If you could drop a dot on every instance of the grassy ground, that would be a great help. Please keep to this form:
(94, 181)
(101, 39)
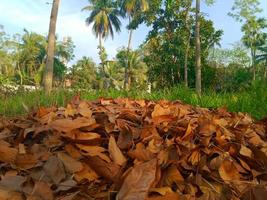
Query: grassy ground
(253, 101)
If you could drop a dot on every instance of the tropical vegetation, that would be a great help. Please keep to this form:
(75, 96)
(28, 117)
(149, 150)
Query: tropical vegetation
(181, 50)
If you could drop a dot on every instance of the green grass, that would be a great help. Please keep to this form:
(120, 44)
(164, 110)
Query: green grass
(253, 101)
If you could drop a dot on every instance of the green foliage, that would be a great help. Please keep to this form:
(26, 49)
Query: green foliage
(252, 101)
(243, 10)
(83, 74)
(166, 44)
(22, 58)
(137, 69)
(105, 17)
(246, 11)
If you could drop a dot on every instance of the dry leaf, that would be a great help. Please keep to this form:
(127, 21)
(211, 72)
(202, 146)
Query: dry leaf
(71, 165)
(67, 125)
(94, 151)
(55, 169)
(228, 171)
(86, 174)
(159, 111)
(42, 190)
(245, 151)
(115, 153)
(26, 161)
(138, 182)
(141, 153)
(172, 176)
(164, 150)
(194, 158)
(162, 191)
(7, 154)
(108, 170)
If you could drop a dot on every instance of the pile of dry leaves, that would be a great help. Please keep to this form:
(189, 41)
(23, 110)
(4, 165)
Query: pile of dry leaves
(132, 150)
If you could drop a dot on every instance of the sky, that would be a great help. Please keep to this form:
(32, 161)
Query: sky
(34, 15)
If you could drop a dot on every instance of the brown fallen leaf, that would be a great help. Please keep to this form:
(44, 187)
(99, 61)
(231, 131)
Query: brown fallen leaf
(94, 151)
(67, 125)
(22, 149)
(7, 154)
(115, 152)
(168, 196)
(71, 165)
(70, 111)
(245, 151)
(8, 195)
(73, 152)
(86, 174)
(138, 182)
(66, 185)
(54, 169)
(109, 170)
(258, 192)
(26, 161)
(172, 176)
(228, 171)
(154, 150)
(43, 191)
(141, 153)
(12, 183)
(159, 111)
(162, 191)
(84, 110)
(194, 158)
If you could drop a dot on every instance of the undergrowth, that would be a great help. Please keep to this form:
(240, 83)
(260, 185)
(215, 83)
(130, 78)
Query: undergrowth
(252, 101)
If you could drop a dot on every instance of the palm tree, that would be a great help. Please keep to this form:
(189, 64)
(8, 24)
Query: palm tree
(48, 75)
(136, 67)
(130, 7)
(105, 18)
(254, 37)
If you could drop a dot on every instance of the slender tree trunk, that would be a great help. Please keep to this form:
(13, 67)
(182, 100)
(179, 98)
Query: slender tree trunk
(253, 63)
(105, 84)
(100, 54)
(186, 62)
(127, 68)
(187, 44)
(20, 76)
(48, 74)
(198, 49)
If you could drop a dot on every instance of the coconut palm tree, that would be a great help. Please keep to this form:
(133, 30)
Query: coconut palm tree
(104, 16)
(48, 75)
(130, 7)
(254, 37)
(137, 69)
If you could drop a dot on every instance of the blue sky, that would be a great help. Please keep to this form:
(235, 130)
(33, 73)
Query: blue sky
(34, 15)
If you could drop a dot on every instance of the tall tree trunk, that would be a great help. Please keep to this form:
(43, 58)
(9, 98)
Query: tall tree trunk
(198, 49)
(105, 83)
(186, 62)
(48, 74)
(253, 63)
(187, 44)
(100, 54)
(127, 68)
